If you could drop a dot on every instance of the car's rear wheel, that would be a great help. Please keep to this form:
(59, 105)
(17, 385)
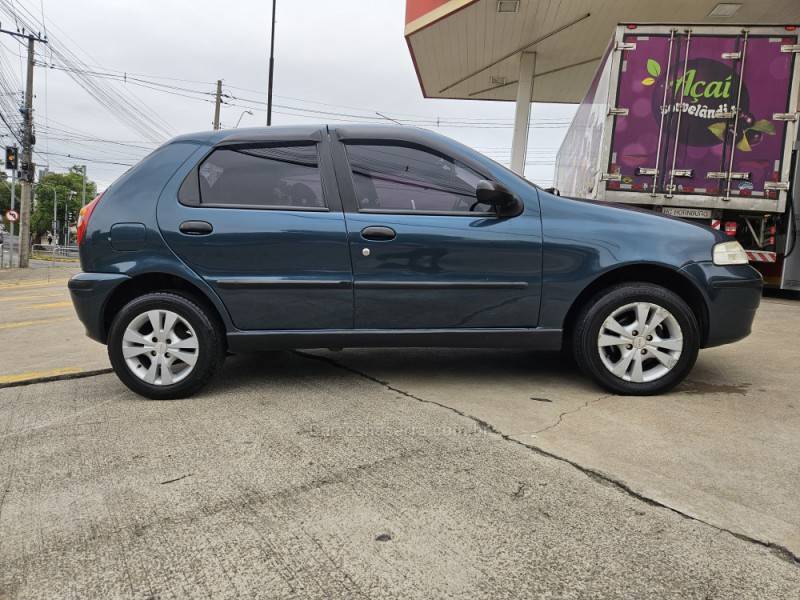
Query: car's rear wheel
(636, 339)
(164, 346)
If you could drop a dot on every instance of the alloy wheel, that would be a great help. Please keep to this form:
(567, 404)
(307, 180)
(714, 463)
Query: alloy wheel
(160, 347)
(640, 342)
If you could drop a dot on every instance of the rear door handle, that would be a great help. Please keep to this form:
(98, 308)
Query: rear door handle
(378, 234)
(196, 227)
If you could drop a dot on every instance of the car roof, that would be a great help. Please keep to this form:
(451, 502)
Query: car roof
(311, 132)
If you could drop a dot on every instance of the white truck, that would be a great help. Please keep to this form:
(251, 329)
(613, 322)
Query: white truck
(699, 122)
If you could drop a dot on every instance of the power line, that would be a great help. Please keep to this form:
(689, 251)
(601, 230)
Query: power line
(129, 109)
(124, 78)
(206, 96)
(90, 160)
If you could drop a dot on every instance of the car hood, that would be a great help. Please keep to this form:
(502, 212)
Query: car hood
(625, 233)
(651, 214)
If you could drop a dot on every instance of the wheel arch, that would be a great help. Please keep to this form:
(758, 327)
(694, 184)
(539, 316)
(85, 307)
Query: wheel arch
(657, 274)
(158, 282)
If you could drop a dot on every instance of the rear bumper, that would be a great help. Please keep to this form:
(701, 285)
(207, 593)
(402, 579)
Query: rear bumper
(733, 294)
(90, 292)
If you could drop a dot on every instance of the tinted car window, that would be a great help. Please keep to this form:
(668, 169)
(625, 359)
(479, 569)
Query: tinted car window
(401, 178)
(267, 177)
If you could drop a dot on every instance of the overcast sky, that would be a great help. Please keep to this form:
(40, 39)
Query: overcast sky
(347, 56)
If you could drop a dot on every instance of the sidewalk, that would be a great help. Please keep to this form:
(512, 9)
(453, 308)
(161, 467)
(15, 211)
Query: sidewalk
(40, 335)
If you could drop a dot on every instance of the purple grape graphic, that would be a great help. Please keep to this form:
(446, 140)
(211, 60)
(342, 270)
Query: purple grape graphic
(749, 131)
(754, 138)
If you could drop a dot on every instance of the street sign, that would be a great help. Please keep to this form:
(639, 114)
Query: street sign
(12, 216)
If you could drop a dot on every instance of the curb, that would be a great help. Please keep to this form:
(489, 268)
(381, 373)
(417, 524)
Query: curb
(65, 377)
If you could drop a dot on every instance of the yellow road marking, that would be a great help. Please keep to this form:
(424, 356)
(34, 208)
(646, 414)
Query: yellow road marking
(34, 297)
(17, 324)
(51, 305)
(33, 284)
(38, 374)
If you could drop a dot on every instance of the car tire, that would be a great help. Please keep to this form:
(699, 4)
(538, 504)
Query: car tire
(652, 361)
(174, 362)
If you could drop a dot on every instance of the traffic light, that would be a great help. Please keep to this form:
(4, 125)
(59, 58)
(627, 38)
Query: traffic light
(11, 158)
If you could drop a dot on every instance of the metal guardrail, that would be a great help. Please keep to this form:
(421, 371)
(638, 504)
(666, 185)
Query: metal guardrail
(9, 248)
(56, 250)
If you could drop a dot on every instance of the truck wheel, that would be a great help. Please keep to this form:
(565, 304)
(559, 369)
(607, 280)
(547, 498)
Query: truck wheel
(164, 346)
(636, 339)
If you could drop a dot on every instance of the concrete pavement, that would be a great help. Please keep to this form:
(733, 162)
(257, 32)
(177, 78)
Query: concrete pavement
(291, 478)
(393, 473)
(40, 335)
(721, 448)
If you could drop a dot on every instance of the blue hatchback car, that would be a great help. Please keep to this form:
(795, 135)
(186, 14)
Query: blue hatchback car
(343, 236)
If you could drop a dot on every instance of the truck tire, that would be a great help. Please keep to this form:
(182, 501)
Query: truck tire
(164, 346)
(636, 339)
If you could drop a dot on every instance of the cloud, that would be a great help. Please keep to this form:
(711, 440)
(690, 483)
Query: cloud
(349, 55)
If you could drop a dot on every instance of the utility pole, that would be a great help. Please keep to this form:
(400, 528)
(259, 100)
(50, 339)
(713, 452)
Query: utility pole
(217, 104)
(55, 217)
(26, 202)
(13, 204)
(28, 168)
(271, 66)
(83, 189)
(66, 220)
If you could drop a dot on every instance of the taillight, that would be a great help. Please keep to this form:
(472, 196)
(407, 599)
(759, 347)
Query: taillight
(84, 216)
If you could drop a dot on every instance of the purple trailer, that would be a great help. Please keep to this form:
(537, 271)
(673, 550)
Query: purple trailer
(698, 122)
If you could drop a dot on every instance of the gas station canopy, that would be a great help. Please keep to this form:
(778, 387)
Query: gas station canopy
(471, 49)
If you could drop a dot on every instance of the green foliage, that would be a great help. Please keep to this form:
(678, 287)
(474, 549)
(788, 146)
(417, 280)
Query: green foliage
(59, 185)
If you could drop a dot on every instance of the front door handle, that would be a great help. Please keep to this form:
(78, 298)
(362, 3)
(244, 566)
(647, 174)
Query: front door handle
(378, 234)
(196, 227)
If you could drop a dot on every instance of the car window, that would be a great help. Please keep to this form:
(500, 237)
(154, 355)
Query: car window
(265, 177)
(402, 178)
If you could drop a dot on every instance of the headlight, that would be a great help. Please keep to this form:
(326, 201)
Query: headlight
(730, 253)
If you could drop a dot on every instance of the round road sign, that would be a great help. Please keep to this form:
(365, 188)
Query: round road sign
(12, 216)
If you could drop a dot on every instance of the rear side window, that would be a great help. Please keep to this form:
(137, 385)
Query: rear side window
(390, 178)
(263, 177)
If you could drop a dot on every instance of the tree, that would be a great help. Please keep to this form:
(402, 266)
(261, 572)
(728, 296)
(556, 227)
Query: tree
(61, 188)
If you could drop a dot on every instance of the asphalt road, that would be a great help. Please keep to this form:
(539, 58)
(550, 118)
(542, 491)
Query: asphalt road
(393, 473)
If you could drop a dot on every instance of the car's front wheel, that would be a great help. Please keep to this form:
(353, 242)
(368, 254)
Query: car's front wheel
(636, 339)
(164, 346)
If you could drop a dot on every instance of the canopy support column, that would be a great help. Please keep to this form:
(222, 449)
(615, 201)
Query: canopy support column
(522, 116)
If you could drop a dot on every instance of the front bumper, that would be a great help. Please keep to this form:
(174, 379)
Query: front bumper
(733, 294)
(90, 293)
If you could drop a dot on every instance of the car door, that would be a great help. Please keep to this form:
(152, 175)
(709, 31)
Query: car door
(425, 254)
(261, 221)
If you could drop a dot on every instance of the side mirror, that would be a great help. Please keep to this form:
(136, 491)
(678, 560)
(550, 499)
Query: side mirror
(495, 194)
(553, 190)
